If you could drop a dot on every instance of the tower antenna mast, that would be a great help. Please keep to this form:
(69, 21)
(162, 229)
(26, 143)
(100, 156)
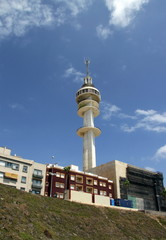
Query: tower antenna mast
(87, 62)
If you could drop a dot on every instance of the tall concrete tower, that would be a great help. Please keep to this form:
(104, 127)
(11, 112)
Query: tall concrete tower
(88, 98)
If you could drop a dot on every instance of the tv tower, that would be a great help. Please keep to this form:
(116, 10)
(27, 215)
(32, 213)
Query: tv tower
(88, 98)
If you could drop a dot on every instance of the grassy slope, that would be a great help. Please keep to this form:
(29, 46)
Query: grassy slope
(29, 217)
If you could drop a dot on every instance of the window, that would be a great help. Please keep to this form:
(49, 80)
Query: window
(37, 172)
(59, 195)
(15, 166)
(72, 186)
(79, 179)
(72, 178)
(25, 169)
(79, 188)
(110, 187)
(35, 191)
(2, 163)
(89, 181)
(9, 165)
(59, 185)
(23, 179)
(110, 195)
(61, 175)
(47, 184)
(46, 194)
(22, 189)
(103, 184)
(89, 189)
(95, 191)
(36, 182)
(58, 174)
(103, 193)
(1, 174)
(95, 182)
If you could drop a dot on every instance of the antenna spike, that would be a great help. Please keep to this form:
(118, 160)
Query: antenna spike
(87, 62)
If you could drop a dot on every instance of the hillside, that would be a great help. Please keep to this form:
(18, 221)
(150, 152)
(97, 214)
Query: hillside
(30, 217)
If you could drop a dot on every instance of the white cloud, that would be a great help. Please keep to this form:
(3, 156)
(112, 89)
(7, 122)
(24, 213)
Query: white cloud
(123, 115)
(161, 153)
(75, 6)
(71, 72)
(16, 106)
(146, 113)
(148, 120)
(103, 32)
(150, 169)
(108, 110)
(18, 16)
(122, 12)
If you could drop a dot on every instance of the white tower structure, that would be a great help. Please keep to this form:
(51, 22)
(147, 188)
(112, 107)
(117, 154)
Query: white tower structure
(88, 98)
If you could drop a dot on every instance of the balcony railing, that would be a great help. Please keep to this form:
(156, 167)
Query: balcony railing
(35, 175)
(38, 186)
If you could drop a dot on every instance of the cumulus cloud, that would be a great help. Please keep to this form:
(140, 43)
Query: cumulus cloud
(103, 32)
(18, 16)
(71, 72)
(161, 153)
(108, 110)
(123, 12)
(148, 120)
(75, 6)
(145, 112)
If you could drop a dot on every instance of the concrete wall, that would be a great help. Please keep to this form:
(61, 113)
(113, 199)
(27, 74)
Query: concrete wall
(5, 151)
(102, 200)
(112, 170)
(80, 197)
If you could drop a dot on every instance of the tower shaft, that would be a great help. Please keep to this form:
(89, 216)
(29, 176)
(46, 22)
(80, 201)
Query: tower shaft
(89, 151)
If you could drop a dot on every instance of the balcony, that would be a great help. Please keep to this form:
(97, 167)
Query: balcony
(81, 131)
(39, 176)
(38, 186)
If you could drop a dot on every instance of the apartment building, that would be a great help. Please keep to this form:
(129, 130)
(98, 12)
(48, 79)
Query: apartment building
(71, 184)
(23, 174)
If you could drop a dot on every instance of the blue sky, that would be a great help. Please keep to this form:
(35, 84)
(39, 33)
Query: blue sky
(42, 49)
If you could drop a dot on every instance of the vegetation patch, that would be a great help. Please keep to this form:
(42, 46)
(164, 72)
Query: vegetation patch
(24, 216)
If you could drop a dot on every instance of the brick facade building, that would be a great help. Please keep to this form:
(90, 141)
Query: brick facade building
(74, 185)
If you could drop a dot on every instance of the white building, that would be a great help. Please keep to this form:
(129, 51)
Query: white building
(20, 173)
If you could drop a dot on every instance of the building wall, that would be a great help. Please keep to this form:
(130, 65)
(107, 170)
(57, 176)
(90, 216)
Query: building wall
(80, 197)
(75, 183)
(102, 201)
(144, 189)
(19, 173)
(145, 185)
(113, 171)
